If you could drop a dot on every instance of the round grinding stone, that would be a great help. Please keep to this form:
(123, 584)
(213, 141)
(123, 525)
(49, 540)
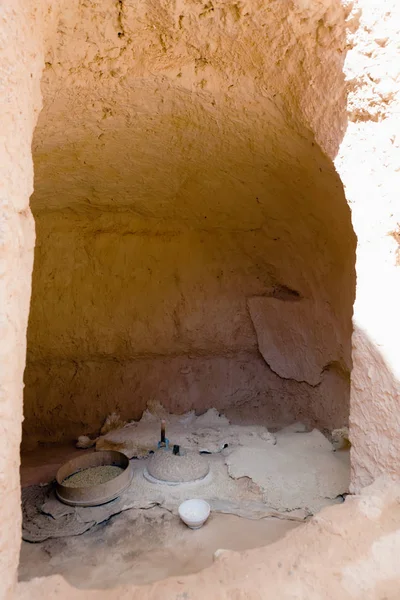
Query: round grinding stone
(179, 468)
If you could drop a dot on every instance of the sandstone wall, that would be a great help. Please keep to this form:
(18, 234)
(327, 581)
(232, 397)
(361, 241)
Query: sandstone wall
(369, 165)
(282, 63)
(123, 312)
(20, 67)
(194, 243)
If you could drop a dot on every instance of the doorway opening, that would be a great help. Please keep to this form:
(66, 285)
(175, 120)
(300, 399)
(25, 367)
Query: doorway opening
(194, 253)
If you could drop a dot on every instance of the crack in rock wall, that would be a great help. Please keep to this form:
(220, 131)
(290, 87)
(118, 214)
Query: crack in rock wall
(177, 179)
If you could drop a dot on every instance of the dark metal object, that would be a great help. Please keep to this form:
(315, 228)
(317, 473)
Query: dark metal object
(164, 442)
(101, 493)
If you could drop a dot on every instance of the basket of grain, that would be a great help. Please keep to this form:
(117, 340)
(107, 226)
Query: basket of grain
(93, 479)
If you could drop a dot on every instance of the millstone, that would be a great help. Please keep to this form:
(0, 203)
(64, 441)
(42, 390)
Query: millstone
(180, 468)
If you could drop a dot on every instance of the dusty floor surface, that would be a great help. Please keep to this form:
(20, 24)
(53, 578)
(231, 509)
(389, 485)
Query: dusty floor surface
(147, 543)
(135, 546)
(348, 552)
(291, 474)
(143, 546)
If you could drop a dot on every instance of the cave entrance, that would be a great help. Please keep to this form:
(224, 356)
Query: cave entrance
(194, 253)
(197, 271)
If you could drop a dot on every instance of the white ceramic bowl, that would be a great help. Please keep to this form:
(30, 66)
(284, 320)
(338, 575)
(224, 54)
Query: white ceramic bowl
(194, 513)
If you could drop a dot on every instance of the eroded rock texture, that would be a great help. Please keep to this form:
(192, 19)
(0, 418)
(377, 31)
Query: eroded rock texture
(369, 164)
(20, 68)
(179, 184)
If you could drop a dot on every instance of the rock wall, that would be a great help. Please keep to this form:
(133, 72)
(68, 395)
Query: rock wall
(187, 219)
(125, 309)
(281, 63)
(369, 165)
(20, 67)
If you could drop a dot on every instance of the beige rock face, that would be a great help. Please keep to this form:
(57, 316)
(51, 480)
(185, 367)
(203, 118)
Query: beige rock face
(176, 183)
(297, 338)
(20, 103)
(201, 133)
(369, 164)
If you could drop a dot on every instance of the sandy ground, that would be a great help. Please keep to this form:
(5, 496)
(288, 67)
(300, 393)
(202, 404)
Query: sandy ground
(136, 546)
(143, 546)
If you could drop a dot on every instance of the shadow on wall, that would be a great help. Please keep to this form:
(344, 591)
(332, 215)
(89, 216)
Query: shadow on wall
(170, 220)
(253, 319)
